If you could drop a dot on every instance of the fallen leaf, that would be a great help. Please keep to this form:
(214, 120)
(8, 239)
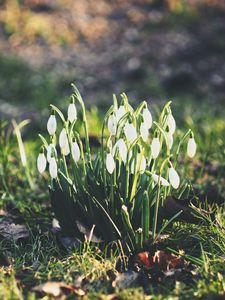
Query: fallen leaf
(166, 261)
(10, 230)
(143, 259)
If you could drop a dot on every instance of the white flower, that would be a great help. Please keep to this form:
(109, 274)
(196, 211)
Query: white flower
(51, 125)
(155, 147)
(120, 113)
(75, 150)
(162, 180)
(171, 123)
(53, 170)
(147, 118)
(130, 132)
(120, 144)
(169, 138)
(66, 149)
(63, 140)
(191, 147)
(174, 178)
(41, 162)
(72, 112)
(140, 164)
(112, 124)
(51, 150)
(144, 132)
(110, 164)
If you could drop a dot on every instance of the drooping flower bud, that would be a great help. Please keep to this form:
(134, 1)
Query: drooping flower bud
(144, 131)
(120, 144)
(41, 162)
(162, 180)
(63, 140)
(140, 164)
(169, 138)
(174, 178)
(147, 118)
(171, 123)
(191, 147)
(72, 112)
(53, 169)
(130, 132)
(51, 125)
(112, 124)
(110, 163)
(75, 150)
(120, 113)
(155, 147)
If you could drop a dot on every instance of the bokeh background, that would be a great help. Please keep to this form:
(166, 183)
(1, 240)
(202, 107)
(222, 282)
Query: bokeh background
(153, 50)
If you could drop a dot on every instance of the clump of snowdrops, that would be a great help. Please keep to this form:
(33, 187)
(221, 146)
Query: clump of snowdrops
(118, 191)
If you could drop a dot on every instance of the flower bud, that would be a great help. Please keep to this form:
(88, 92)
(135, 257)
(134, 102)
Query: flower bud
(191, 147)
(41, 163)
(174, 178)
(53, 169)
(155, 147)
(147, 118)
(171, 123)
(112, 124)
(110, 164)
(120, 113)
(72, 112)
(169, 138)
(144, 131)
(130, 132)
(51, 151)
(75, 150)
(63, 140)
(120, 144)
(162, 180)
(51, 125)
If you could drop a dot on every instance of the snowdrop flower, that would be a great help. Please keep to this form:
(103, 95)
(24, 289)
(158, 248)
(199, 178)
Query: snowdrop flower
(63, 140)
(169, 138)
(51, 150)
(130, 132)
(72, 112)
(155, 147)
(110, 164)
(112, 124)
(140, 164)
(144, 131)
(41, 162)
(75, 150)
(53, 170)
(147, 118)
(174, 178)
(171, 123)
(51, 125)
(66, 149)
(120, 144)
(162, 180)
(191, 147)
(120, 113)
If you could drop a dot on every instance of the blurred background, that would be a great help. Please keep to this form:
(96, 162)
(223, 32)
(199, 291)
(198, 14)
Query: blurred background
(153, 50)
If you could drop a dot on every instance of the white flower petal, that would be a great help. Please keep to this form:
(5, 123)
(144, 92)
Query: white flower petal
(163, 181)
(51, 125)
(41, 163)
(140, 164)
(155, 147)
(147, 118)
(75, 151)
(112, 124)
(63, 140)
(110, 164)
(174, 178)
(144, 132)
(72, 112)
(191, 147)
(171, 123)
(51, 150)
(53, 169)
(130, 132)
(66, 149)
(120, 113)
(120, 144)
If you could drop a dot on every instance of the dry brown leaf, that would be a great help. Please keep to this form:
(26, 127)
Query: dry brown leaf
(126, 280)
(143, 259)
(10, 230)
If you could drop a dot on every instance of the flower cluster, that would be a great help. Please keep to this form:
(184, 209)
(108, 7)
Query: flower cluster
(132, 173)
